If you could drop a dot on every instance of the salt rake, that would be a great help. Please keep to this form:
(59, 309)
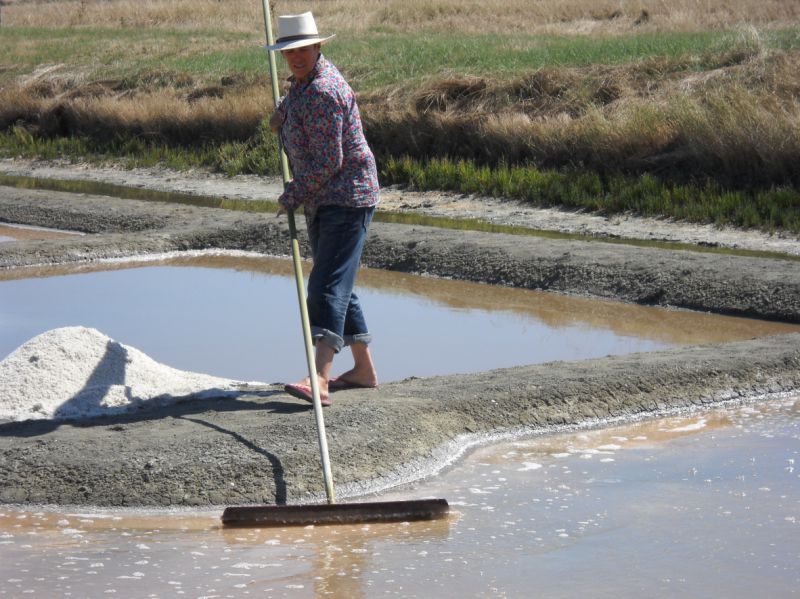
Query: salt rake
(332, 512)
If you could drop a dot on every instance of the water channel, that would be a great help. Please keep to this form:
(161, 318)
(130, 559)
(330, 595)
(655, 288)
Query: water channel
(696, 505)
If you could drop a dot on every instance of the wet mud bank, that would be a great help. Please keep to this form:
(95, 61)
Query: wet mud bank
(261, 446)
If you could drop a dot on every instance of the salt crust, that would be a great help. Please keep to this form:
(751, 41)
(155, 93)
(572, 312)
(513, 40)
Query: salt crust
(77, 372)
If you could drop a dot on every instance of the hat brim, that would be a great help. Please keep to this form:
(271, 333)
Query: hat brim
(300, 43)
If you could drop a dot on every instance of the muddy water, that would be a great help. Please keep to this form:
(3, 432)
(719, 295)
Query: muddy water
(696, 505)
(25, 233)
(236, 316)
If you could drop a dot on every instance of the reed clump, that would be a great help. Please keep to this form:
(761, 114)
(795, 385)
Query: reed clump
(736, 124)
(117, 109)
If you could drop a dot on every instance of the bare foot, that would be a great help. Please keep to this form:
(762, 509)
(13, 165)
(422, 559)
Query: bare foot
(355, 378)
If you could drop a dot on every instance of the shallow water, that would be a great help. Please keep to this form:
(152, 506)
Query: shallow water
(698, 505)
(26, 233)
(237, 317)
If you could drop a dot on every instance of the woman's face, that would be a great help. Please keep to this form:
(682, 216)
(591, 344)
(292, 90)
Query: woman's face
(301, 61)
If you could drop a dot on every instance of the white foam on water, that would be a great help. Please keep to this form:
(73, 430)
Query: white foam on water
(78, 372)
(529, 466)
(249, 565)
(695, 426)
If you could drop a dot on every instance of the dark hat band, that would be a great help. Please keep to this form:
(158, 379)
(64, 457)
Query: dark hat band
(294, 38)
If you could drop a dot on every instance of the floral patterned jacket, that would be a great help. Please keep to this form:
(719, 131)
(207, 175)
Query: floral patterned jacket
(324, 141)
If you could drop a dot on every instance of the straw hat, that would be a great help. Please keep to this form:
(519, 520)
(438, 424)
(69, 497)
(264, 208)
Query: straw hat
(296, 31)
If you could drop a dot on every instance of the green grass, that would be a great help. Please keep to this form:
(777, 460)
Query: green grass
(645, 195)
(20, 143)
(132, 152)
(777, 208)
(155, 58)
(102, 53)
(383, 60)
(373, 61)
(392, 59)
(247, 60)
(258, 156)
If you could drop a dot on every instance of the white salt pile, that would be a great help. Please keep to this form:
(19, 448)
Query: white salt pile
(77, 372)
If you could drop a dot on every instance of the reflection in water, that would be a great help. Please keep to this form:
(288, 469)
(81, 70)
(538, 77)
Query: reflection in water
(699, 505)
(196, 556)
(675, 327)
(236, 316)
(340, 559)
(680, 327)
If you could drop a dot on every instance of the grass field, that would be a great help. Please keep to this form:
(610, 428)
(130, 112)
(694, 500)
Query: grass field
(683, 108)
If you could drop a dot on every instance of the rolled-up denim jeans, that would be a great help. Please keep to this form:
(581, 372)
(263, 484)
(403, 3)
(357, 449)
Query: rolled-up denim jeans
(337, 235)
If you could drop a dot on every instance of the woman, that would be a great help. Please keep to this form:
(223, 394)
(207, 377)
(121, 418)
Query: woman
(336, 182)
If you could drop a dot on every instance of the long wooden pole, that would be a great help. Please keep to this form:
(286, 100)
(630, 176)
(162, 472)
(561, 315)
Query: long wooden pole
(298, 276)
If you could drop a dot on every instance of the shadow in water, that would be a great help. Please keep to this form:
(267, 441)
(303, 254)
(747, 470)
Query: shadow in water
(277, 467)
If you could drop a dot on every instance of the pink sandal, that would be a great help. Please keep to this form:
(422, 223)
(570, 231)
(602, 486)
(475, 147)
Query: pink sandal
(304, 392)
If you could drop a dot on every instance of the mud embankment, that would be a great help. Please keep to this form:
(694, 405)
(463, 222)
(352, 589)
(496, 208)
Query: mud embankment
(744, 286)
(261, 446)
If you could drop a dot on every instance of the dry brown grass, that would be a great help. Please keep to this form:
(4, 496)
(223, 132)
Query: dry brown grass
(102, 110)
(736, 119)
(738, 124)
(348, 17)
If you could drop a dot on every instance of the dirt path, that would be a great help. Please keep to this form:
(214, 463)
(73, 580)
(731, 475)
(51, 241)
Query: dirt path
(261, 446)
